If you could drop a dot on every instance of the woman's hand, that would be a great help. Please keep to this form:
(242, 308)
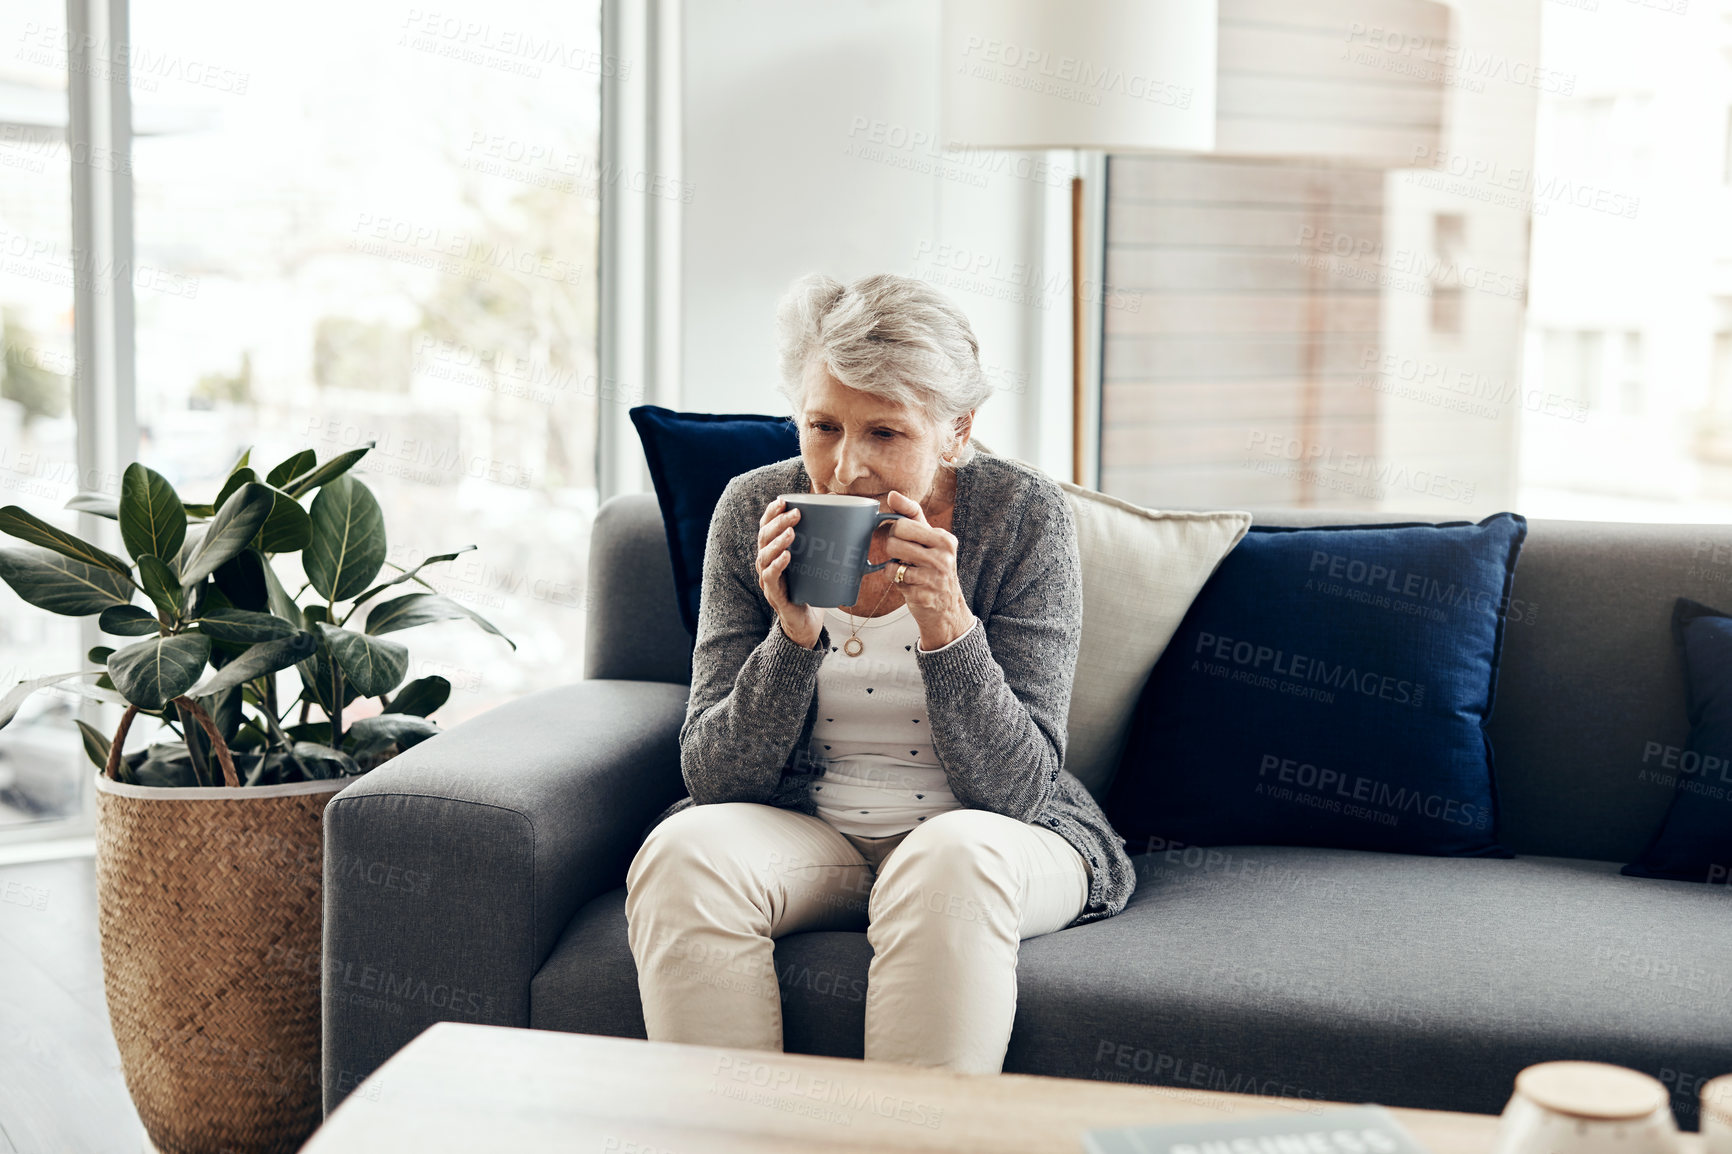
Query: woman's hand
(930, 587)
(802, 623)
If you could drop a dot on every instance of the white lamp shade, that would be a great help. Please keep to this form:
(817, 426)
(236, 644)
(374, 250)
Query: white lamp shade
(1111, 75)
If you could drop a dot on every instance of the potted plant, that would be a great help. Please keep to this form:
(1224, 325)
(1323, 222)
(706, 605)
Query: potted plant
(209, 846)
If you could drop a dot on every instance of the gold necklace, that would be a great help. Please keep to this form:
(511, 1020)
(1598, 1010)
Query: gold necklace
(854, 645)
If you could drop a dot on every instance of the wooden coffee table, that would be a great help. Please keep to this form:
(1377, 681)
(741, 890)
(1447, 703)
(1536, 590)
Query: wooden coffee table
(483, 1088)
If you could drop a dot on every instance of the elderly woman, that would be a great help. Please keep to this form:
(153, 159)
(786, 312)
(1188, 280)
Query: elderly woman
(896, 765)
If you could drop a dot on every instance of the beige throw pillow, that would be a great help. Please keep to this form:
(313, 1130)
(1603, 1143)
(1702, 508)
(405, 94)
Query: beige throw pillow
(1141, 570)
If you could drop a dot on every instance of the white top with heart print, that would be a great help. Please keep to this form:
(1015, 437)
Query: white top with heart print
(875, 770)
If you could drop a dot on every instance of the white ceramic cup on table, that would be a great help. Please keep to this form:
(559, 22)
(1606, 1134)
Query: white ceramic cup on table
(1587, 1108)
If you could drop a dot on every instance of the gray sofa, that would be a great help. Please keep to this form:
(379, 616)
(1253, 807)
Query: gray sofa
(1342, 975)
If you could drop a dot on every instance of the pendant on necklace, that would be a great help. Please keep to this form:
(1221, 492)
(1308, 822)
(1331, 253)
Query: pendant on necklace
(852, 647)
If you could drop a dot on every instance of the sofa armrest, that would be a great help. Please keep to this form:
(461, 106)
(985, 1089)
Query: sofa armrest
(451, 870)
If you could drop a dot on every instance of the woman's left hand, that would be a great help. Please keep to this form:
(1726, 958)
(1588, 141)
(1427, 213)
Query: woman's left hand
(930, 587)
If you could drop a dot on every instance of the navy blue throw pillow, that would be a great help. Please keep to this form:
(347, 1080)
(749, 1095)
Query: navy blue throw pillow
(1329, 687)
(1695, 841)
(692, 457)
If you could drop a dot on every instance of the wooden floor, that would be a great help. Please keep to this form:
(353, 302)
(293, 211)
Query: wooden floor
(61, 1090)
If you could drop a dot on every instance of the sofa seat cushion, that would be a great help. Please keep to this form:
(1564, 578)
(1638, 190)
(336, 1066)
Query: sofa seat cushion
(1328, 974)
(1358, 976)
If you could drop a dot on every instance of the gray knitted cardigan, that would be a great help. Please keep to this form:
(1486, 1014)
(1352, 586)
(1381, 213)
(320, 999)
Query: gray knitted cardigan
(998, 699)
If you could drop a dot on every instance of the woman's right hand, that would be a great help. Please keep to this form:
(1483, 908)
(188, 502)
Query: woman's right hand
(802, 623)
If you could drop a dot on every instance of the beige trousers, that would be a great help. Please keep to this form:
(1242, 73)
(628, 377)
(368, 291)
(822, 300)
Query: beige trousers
(944, 906)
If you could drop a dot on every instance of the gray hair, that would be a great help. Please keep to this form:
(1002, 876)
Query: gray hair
(893, 336)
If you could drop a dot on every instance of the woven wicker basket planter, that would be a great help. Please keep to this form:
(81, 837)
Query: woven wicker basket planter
(209, 909)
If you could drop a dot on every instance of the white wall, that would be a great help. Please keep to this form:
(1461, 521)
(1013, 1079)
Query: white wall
(810, 143)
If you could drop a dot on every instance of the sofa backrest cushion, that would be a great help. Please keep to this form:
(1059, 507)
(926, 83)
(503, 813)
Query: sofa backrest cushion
(692, 457)
(1141, 568)
(1330, 687)
(1695, 843)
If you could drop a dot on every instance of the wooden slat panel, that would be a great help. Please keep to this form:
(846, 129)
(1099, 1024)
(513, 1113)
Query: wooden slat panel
(1219, 181)
(1395, 144)
(1242, 94)
(1238, 445)
(1421, 16)
(1190, 402)
(1324, 52)
(1268, 226)
(1135, 270)
(1222, 488)
(1195, 315)
(1191, 358)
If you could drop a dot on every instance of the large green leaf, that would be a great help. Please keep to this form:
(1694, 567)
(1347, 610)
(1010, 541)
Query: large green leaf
(242, 581)
(328, 472)
(414, 609)
(348, 545)
(265, 657)
(27, 527)
(244, 626)
(162, 587)
(278, 599)
(410, 574)
(374, 735)
(61, 585)
(287, 528)
(241, 476)
(98, 504)
(152, 673)
(166, 766)
(127, 621)
(152, 519)
(96, 746)
(421, 696)
(235, 523)
(323, 683)
(295, 466)
(15, 697)
(372, 666)
(303, 761)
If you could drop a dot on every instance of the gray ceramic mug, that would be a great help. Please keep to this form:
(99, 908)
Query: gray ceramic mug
(827, 557)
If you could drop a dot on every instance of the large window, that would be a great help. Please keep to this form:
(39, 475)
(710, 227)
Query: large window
(41, 778)
(352, 223)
